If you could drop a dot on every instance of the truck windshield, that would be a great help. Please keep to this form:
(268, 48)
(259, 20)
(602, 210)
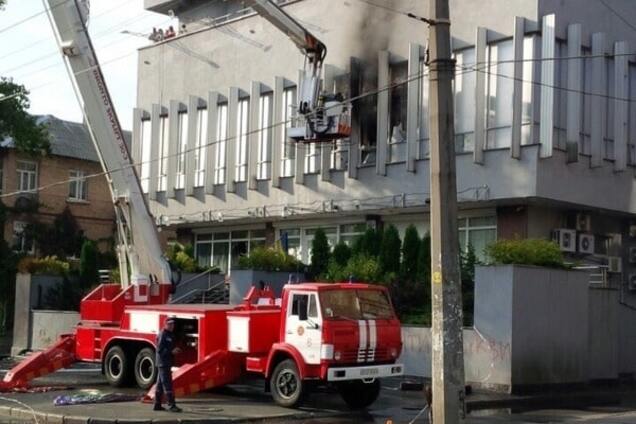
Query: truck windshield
(355, 304)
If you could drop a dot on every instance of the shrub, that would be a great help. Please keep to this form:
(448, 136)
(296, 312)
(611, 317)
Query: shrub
(359, 268)
(468, 260)
(65, 296)
(410, 253)
(363, 269)
(525, 252)
(47, 265)
(89, 274)
(320, 252)
(181, 257)
(424, 260)
(269, 259)
(341, 254)
(390, 252)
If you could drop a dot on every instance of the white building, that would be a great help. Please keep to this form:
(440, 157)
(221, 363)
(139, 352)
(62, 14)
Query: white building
(545, 124)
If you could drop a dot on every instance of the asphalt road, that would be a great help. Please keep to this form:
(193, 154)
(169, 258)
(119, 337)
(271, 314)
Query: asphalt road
(248, 401)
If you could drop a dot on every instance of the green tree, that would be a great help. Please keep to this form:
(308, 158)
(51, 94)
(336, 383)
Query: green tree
(368, 244)
(64, 238)
(8, 269)
(390, 251)
(30, 137)
(468, 260)
(89, 274)
(424, 260)
(320, 253)
(341, 254)
(410, 253)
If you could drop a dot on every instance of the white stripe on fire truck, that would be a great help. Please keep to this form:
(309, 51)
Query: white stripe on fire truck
(362, 344)
(373, 340)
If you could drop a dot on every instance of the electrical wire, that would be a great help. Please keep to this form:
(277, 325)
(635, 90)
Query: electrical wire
(28, 18)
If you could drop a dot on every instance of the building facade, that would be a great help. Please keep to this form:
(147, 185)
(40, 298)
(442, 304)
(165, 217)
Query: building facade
(545, 125)
(73, 160)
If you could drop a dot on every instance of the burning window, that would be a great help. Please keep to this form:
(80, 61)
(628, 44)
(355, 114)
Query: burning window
(364, 80)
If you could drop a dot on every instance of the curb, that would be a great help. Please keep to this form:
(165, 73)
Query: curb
(546, 401)
(47, 418)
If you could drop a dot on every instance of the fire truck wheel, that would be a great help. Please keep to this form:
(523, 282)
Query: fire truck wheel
(145, 370)
(357, 394)
(117, 367)
(286, 385)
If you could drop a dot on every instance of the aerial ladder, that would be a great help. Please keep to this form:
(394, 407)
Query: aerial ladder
(323, 116)
(141, 260)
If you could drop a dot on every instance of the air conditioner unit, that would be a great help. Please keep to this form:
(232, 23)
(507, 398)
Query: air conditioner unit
(631, 282)
(583, 222)
(586, 244)
(632, 255)
(565, 238)
(614, 264)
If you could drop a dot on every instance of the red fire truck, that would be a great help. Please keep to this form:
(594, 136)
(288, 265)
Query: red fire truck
(345, 334)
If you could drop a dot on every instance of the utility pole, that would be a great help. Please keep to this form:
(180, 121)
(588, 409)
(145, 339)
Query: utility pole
(447, 340)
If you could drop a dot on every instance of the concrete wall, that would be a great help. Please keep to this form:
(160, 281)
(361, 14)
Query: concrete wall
(48, 326)
(536, 326)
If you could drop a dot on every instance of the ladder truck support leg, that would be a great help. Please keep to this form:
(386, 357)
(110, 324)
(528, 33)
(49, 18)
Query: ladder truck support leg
(60, 355)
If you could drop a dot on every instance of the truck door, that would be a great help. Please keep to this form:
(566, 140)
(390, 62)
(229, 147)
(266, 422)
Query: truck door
(303, 326)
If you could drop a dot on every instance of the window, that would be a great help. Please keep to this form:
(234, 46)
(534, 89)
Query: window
(221, 144)
(339, 155)
(367, 110)
(608, 139)
(288, 147)
(27, 176)
(312, 309)
(312, 158)
(297, 241)
(22, 239)
(182, 146)
(586, 136)
(340, 148)
(264, 123)
(465, 100)
(560, 95)
(499, 94)
(397, 111)
(299, 303)
(632, 114)
(162, 181)
(527, 89)
(224, 249)
(146, 141)
(78, 186)
(242, 124)
(423, 136)
(201, 147)
(477, 232)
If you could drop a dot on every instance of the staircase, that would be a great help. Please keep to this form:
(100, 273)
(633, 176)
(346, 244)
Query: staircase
(218, 295)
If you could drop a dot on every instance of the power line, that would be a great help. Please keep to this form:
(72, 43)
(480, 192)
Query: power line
(42, 40)
(28, 18)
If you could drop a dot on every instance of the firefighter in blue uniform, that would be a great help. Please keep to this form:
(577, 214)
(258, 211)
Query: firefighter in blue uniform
(165, 351)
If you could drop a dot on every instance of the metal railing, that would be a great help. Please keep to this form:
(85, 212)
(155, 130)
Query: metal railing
(191, 293)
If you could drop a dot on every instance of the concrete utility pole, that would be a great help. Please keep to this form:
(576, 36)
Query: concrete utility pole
(448, 357)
